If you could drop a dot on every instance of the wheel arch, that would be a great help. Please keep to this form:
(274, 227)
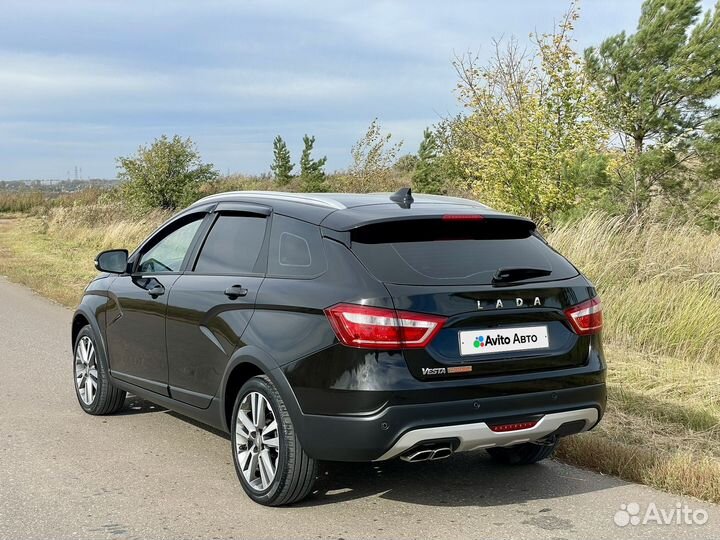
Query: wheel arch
(79, 321)
(247, 362)
(81, 318)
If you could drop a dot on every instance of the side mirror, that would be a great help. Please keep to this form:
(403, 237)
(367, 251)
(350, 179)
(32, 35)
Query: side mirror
(114, 261)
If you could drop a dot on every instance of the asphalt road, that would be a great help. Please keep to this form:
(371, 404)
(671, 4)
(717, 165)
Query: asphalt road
(148, 473)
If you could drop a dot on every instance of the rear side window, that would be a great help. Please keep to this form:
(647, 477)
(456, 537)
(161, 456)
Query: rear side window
(432, 252)
(296, 249)
(233, 245)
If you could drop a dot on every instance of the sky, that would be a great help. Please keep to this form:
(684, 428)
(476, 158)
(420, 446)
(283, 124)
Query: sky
(83, 82)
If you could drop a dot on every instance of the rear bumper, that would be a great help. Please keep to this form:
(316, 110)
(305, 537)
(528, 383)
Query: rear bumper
(396, 428)
(479, 435)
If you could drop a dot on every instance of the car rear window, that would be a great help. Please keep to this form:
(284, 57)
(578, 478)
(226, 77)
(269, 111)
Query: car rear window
(434, 252)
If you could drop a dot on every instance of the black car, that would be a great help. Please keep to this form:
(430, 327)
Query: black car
(349, 328)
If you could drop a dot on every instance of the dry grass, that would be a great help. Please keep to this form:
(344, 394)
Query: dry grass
(12, 202)
(684, 473)
(660, 284)
(51, 266)
(660, 287)
(54, 254)
(102, 226)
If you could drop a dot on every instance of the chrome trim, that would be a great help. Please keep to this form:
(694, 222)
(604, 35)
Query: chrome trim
(317, 200)
(479, 435)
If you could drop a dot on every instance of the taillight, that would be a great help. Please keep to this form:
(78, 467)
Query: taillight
(382, 328)
(517, 426)
(463, 217)
(586, 318)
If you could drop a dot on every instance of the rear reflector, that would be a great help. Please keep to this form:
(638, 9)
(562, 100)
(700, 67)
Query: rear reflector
(462, 217)
(382, 328)
(586, 318)
(517, 426)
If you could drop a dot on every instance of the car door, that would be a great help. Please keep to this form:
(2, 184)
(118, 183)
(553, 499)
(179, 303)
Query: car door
(210, 305)
(138, 304)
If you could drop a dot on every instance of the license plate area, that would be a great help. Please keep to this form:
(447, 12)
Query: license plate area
(489, 341)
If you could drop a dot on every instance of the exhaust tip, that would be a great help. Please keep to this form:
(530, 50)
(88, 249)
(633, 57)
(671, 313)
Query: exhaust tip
(442, 453)
(428, 451)
(417, 455)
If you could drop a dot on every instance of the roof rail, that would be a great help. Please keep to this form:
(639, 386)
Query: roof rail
(317, 200)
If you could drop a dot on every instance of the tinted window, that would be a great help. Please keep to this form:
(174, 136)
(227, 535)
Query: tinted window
(296, 249)
(427, 252)
(233, 245)
(168, 254)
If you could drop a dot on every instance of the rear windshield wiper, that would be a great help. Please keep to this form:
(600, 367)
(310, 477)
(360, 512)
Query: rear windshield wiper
(509, 274)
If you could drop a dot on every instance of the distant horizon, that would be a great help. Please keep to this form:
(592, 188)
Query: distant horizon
(57, 180)
(85, 82)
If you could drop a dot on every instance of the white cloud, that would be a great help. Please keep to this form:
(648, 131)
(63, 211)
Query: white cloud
(32, 75)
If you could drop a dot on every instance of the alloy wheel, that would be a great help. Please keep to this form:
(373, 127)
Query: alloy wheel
(257, 441)
(86, 372)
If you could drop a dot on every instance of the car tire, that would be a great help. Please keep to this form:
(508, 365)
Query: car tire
(523, 454)
(263, 437)
(93, 388)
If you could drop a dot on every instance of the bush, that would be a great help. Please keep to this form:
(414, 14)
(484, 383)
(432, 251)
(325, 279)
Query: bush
(166, 175)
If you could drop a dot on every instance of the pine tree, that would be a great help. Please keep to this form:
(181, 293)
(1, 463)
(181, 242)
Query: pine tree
(282, 166)
(658, 86)
(658, 81)
(312, 171)
(428, 176)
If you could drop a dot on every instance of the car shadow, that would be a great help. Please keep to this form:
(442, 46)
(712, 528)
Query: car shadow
(137, 405)
(470, 479)
(466, 479)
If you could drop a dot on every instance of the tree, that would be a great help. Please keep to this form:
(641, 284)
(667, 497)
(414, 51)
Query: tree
(657, 86)
(282, 166)
(167, 174)
(373, 157)
(531, 116)
(705, 200)
(406, 163)
(428, 176)
(312, 172)
(708, 149)
(657, 83)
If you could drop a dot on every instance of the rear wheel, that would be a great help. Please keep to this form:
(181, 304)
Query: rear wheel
(270, 462)
(523, 454)
(95, 393)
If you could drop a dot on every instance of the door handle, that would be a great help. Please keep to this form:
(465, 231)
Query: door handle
(156, 290)
(235, 291)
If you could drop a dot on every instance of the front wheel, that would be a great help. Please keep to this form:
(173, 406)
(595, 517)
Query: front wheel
(270, 462)
(523, 454)
(95, 392)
